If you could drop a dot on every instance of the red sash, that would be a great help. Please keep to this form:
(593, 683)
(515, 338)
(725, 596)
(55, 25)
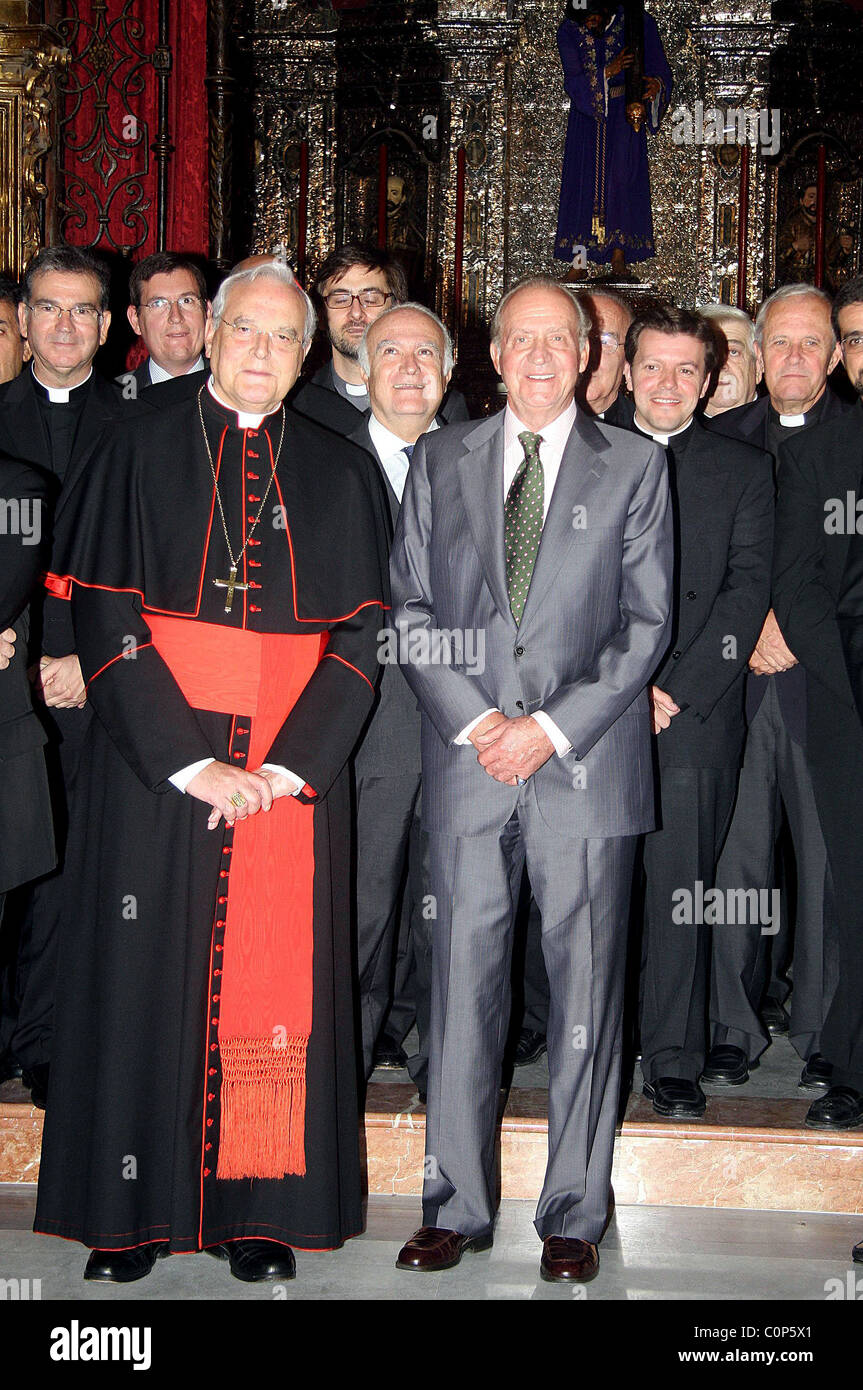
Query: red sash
(265, 1005)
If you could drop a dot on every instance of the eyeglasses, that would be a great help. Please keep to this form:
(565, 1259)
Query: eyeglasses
(187, 303)
(368, 299)
(853, 342)
(246, 333)
(610, 341)
(46, 311)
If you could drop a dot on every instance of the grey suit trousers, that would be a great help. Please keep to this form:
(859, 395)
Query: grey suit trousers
(582, 888)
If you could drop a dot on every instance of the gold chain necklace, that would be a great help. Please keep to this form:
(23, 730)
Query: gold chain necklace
(232, 583)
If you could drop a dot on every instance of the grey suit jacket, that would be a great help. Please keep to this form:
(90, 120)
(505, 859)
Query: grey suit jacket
(595, 624)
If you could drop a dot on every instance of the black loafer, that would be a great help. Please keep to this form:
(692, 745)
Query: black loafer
(841, 1108)
(389, 1057)
(774, 1017)
(529, 1048)
(124, 1266)
(255, 1261)
(675, 1098)
(857, 1253)
(10, 1068)
(36, 1080)
(727, 1065)
(817, 1074)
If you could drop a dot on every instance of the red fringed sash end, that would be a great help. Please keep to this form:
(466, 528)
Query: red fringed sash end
(263, 1097)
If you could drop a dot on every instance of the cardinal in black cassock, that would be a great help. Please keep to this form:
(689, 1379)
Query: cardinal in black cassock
(227, 574)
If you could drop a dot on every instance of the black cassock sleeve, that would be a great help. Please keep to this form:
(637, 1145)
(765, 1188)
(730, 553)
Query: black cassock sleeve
(322, 729)
(132, 690)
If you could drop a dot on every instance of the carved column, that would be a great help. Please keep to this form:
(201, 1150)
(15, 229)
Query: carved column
(221, 87)
(29, 64)
(734, 73)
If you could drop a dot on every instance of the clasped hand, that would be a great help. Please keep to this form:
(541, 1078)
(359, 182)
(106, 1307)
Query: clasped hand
(511, 748)
(58, 681)
(7, 647)
(218, 782)
(772, 655)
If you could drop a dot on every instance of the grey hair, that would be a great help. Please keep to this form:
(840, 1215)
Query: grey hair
(788, 292)
(363, 349)
(719, 312)
(547, 282)
(273, 270)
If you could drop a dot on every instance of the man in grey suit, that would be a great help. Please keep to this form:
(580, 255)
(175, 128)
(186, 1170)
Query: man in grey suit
(531, 575)
(406, 362)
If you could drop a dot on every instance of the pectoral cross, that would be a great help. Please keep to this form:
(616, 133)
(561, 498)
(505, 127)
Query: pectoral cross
(231, 583)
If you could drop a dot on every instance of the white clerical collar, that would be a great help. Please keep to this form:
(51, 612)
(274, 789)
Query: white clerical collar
(386, 443)
(158, 373)
(554, 434)
(792, 421)
(661, 438)
(353, 390)
(59, 395)
(245, 421)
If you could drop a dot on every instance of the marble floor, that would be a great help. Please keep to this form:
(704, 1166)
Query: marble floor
(649, 1254)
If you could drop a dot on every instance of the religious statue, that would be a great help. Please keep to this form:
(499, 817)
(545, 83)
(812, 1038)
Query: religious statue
(605, 213)
(795, 245)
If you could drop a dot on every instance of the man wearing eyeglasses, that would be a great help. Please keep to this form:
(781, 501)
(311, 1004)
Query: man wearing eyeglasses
(816, 595)
(51, 415)
(355, 284)
(601, 390)
(168, 309)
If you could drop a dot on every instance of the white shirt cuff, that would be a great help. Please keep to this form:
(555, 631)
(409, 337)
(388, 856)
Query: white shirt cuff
(277, 767)
(559, 739)
(464, 736)
(182, 778)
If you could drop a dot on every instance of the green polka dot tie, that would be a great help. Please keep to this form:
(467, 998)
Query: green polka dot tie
(522, 523)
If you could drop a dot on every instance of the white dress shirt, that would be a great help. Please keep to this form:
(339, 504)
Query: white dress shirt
(391, 450)
(554, 437)
(158, 373)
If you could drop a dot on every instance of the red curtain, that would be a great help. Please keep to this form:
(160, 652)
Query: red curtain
(188, 202)
(110, 122)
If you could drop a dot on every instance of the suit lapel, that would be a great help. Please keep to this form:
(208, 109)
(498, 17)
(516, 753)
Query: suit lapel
(481, 478)
(581, 468)
(21, 421)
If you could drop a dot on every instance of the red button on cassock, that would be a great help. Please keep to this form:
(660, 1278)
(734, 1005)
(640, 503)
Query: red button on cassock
(206, 1172)
(209, 1123)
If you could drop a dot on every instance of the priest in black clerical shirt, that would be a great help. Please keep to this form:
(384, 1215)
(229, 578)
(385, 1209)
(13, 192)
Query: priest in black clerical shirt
(797, 346)
(722, 497)
(51, 415)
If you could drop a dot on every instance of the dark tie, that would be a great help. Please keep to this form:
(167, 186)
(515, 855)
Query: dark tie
(408, 451)
(522, 523)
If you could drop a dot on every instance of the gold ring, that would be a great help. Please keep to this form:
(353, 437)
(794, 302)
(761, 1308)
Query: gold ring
(238, 799)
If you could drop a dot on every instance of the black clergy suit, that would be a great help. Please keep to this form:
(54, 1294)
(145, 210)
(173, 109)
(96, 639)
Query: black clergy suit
(775, 775)
(59, 438)
(319, 399)
(139, 1065)
(817, 598)
(26, 828)
(390, 849)
(722, 498)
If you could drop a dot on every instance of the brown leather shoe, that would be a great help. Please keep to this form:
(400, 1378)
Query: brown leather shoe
(566, 1258)
(434, 1247)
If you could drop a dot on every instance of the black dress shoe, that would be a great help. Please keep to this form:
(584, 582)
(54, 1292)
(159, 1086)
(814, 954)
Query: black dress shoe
(817, 1074)
(124, 1266)
(774, 1017)
(727, 1065)
(255, 1261)
(857, 1253)
(841, 1108)
(10, 1068)
(35, 1078)
(389, 1057)
(529, 1048)
(675, 1098)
